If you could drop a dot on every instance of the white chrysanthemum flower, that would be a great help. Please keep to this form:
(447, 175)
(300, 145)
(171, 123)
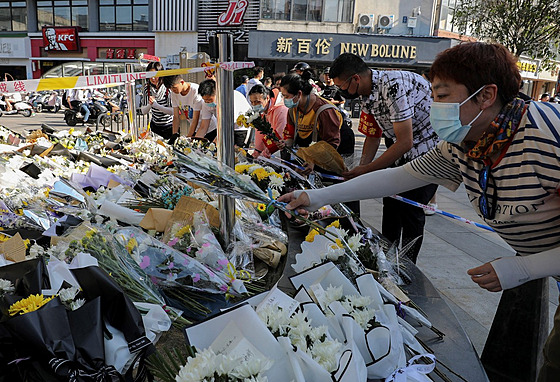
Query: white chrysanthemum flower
(333, 294)
(77, 304)
(225, 365)
(197, 368)
(326, 354)
(68, 294)
(276, 181)
(354, 242)
(6, 286)
(333, 253)
(363, 317)
(252, 367)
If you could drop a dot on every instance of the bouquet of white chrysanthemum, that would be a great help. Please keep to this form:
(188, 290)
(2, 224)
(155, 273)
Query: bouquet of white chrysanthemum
(209, 366)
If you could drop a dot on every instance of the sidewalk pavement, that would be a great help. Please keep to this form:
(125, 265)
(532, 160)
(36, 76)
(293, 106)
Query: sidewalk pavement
(449, 249)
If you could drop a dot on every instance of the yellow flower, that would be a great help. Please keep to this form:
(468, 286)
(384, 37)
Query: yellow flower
(4, 238)
(29, 304)
(241, 121)
(131, 245)
(238, 213)
(183, 231)
(261, 207)
(260, 173)
(338, 242)
(71, 131)
(26, 242)
(311, 235)
(46, 192)
(335, 224)
(90, 233)
(242, 168)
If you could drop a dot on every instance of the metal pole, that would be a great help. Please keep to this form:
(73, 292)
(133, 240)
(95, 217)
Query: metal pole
(131, 99)
(224, 100)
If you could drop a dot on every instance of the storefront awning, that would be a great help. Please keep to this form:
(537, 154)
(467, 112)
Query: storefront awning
(59, 59)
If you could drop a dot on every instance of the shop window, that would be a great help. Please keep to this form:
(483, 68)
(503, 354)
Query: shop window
(446, 16)
(123, 15)
(63, 13)
(13, 16)
(338, 11)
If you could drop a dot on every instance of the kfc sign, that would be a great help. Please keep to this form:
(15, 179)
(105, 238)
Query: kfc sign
(61, 38)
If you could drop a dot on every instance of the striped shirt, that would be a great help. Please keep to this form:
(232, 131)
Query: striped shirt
(526, 180)
(162, 97)
(398, 95)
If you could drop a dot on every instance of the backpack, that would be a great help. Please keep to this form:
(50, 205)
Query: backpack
(347, 138)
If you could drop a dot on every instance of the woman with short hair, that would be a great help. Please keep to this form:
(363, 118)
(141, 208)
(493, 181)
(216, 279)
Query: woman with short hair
(505, 152)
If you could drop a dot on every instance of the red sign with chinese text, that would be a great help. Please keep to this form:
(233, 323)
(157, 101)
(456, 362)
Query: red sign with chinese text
(234, 13)
(61, 39)
(121, 53)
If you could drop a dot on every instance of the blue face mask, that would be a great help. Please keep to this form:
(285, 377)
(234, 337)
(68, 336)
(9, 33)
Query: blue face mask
(289, 103)
(211, 104)
(258, 108)
(446, 122)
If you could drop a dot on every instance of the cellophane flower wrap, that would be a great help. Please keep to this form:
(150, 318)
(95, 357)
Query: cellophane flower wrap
(168, 266)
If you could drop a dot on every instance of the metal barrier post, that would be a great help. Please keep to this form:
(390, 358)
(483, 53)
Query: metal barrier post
(224, 100)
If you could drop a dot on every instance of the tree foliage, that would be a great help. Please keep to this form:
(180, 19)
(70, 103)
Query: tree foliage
(525, 27)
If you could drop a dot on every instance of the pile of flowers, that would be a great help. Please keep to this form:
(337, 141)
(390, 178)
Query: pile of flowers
(209, 366)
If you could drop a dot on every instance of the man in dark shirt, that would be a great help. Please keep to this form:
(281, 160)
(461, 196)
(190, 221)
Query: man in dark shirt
(331, 92)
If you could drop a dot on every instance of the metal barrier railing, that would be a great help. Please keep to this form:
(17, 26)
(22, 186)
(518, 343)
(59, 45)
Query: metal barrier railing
(120, 121)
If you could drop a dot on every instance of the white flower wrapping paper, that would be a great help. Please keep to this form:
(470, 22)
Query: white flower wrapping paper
(381, 347)
(251, 329)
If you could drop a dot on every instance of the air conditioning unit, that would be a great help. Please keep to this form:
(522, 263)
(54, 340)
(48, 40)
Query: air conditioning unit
(366, 20)
(386, 21)
(412, 21)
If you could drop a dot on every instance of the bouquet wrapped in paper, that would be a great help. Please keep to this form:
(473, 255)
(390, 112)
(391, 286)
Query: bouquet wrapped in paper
(62, 336)
(239, 334)
(168, 266)
(363, 317)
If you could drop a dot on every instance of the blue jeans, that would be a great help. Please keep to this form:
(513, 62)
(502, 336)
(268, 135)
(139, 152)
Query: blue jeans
(86, 111)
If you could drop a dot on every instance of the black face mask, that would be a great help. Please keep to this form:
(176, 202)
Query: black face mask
(347, 95)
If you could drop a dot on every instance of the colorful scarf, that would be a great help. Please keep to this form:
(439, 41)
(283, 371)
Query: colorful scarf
(503, 129)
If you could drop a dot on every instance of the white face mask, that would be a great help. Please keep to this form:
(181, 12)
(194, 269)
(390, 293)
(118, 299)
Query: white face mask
(446, 121)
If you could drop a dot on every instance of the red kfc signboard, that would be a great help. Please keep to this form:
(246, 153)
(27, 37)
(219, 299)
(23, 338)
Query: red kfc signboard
(61, 39)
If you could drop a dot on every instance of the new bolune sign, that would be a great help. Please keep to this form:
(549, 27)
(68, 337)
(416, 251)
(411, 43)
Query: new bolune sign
(373, 49)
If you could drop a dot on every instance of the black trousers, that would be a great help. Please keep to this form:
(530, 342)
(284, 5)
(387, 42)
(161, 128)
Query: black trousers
(164, 131)
(400, 218)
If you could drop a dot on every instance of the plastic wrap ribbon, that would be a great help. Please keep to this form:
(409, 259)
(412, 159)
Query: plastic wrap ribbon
(233, 273)
(103, 374)
(413, 370)
(276, 203)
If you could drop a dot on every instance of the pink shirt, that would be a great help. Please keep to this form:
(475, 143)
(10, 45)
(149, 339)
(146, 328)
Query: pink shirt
(277, 115)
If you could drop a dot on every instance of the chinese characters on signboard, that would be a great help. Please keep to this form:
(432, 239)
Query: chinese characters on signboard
(322, 46)
(303, 45)
(121, 53)
(61, 39)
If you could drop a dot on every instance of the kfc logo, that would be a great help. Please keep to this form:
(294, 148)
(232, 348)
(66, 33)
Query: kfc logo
(61, 38)
(234, 14)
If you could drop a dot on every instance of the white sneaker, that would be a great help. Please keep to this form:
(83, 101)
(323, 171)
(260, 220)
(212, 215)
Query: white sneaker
(430, 212)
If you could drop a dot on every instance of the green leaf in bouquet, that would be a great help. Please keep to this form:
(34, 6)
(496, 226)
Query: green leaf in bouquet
(165, 367)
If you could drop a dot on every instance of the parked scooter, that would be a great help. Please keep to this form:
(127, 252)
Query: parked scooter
(18, 107)
(50, 101)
